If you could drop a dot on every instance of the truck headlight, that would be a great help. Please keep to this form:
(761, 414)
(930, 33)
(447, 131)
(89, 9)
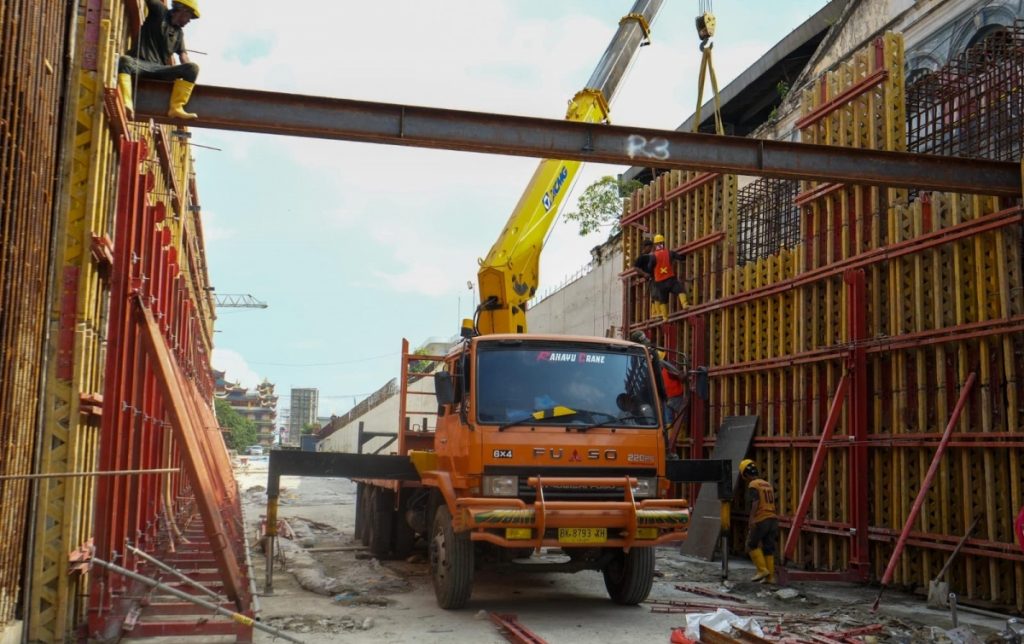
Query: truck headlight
(500, 485)
(645, 487)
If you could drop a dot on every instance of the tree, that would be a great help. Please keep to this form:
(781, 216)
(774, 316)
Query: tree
(601, 204)
(310, 428)
(420, 366)
(241, 432)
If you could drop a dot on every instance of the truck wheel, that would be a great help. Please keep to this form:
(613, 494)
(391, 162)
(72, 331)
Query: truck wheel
(360, 527)
(451, 562)
(381, 522)
(405, 536)
(629, 576)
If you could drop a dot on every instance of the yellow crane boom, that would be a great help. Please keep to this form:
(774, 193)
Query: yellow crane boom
(509, 275)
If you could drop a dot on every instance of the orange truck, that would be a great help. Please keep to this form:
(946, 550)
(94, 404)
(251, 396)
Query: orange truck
(543, 444)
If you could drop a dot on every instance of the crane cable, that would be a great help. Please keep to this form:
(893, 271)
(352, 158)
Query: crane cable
(705, 31)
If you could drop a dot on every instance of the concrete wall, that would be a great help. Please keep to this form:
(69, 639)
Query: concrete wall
(590, 305)
(384, 418)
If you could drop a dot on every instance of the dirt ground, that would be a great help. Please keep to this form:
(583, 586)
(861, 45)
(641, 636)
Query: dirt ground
(363, 600)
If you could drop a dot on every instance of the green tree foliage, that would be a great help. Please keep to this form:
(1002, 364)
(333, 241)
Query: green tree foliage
(241, 431)
(309, 428)
(601, 204)
(420, 366)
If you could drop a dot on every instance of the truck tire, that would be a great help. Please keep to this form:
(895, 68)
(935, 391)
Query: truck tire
(360, 526)
(405, 536)
(381, 522)
(451, 562)
(629, 576)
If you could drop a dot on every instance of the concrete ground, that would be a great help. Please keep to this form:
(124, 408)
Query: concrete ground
(363, 600)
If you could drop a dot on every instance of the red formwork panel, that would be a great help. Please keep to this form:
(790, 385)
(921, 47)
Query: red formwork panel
(155, 415)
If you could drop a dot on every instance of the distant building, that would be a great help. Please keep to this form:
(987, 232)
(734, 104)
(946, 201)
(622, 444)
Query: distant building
(305, 403)
(258, 405)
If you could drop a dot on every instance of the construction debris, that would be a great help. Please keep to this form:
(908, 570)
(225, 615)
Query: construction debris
(721, 621)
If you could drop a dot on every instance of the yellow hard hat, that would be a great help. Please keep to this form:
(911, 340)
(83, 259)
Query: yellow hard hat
(191, 5)
(659, 239)
(745, 463)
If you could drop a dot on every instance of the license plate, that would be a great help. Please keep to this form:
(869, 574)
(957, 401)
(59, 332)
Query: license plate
(582, 535)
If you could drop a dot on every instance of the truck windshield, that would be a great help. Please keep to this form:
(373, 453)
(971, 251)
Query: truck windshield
(556, 384)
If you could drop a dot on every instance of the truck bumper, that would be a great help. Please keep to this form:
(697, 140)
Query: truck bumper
(514, 523)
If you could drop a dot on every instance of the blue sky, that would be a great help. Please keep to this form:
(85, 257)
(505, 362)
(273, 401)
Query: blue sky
(355, 246)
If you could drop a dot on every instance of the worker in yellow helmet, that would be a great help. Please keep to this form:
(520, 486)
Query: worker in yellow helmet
(152, 55)
(762, 539)
(659, 264)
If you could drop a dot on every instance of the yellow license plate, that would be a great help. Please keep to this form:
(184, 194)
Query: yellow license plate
(582, 535)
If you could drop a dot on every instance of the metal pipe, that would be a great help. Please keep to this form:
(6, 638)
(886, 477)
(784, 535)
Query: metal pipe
(725, 556)
(952, 610)
(244, 620)
(174, 571)
(927, 483)
(816, 465)
(255, 604)
(270, 536)
(61, 475)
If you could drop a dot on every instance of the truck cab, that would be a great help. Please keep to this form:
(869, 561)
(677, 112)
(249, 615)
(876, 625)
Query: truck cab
(553, 444)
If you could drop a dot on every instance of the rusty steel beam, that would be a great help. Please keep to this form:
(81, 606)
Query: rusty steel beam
(514, 631)
(331, 118)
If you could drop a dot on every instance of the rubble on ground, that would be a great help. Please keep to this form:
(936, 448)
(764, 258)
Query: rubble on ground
(320, 624)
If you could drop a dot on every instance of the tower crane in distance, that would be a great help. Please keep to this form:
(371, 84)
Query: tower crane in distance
(238, 301)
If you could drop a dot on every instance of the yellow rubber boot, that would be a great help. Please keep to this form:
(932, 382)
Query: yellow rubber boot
(683, 302)
(663, 310)
(769, 565)
(124, 83)
(762, 566)
(180, 94)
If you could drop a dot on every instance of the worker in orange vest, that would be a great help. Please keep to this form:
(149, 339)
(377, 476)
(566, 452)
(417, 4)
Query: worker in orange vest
(675, 388)
(659, 265)
(152, 55)
(762, 539)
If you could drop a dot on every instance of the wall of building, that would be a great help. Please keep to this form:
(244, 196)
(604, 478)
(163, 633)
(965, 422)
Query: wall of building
(589, 305)
(934, 33)
(383, 418)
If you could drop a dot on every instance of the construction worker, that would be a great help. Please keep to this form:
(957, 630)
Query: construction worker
(674, 382)
(645, 264)
(762, 538)
(152, 55)
(659, 264)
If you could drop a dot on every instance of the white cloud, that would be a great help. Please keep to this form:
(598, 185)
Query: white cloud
(212, 228)
(235, 368)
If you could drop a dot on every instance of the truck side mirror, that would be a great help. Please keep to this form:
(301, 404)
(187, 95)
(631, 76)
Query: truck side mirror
(443, 388)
